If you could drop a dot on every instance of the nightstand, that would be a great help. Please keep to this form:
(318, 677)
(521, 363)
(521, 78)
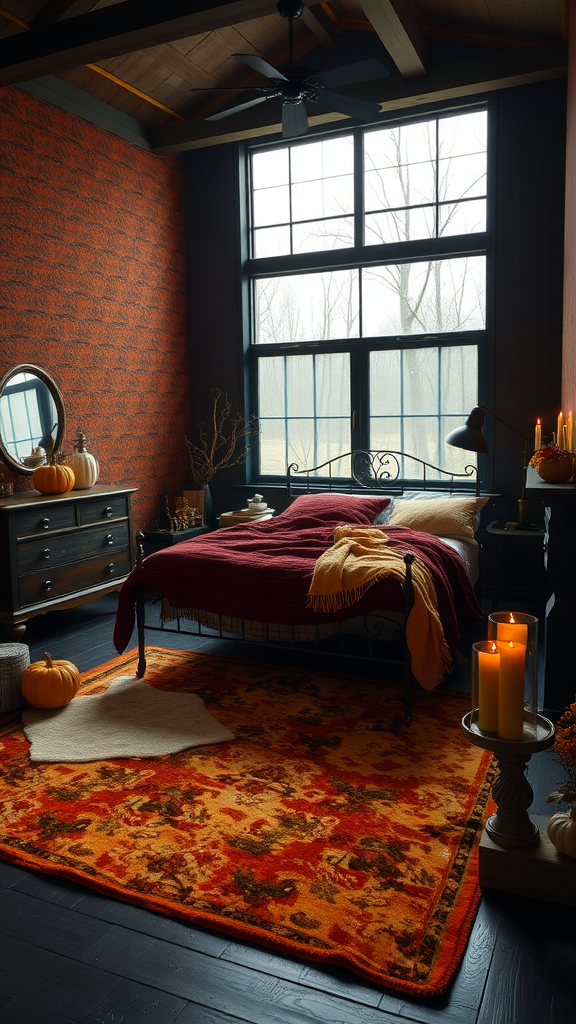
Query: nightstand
(522, 572)
(154, 540)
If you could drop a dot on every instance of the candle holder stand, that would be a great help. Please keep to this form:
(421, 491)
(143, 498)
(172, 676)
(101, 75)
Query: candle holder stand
(511, 825)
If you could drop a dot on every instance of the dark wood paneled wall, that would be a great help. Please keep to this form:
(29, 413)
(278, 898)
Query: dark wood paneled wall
(93, 289)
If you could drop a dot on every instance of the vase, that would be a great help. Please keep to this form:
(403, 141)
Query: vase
(556, 471)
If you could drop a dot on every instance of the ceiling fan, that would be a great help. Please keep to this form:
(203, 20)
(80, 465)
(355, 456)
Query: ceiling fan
(301, 86)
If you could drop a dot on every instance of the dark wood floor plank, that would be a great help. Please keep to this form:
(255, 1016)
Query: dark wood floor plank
(53, 983)
(131, 1003)
(11, 874)
(230, 988)
(54, 928)
(20, 1012)
(524, 972)
(154, 925)
(50, 888)
(339, 982)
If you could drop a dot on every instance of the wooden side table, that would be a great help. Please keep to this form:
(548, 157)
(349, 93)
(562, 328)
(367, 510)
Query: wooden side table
(521, 552)
(155, 540)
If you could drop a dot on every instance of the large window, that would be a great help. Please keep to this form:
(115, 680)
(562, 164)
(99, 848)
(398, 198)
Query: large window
(367, 284)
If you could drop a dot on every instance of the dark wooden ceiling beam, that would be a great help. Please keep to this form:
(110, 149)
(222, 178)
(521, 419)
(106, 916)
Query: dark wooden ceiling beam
(452, 81)
(395, 22)
(51, 11)
(115, 30)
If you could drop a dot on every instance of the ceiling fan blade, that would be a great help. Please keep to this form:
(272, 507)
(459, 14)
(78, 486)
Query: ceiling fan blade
(294, 119)
(348, 74)
(237, 108)
(260, 65)
(337, 103)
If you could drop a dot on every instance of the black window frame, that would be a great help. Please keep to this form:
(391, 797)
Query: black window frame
(420, 250)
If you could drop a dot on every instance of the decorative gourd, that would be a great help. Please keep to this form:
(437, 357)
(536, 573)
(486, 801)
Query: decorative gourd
(50, 684)
(53, 479)
(561, 830)
(83, 464)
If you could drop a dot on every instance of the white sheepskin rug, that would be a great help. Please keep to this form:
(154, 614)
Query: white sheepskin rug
(130, 719)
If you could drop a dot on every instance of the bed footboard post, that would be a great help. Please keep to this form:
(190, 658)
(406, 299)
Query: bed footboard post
(140, 610)
(408, 594)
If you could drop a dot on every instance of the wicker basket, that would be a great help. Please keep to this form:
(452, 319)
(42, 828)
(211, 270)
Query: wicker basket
(14, 659)
(556, 471)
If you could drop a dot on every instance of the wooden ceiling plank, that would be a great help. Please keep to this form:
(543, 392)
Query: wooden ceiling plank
(320, 25)
(111, 31)
(396, 25)
(51, 12)
(453, 81)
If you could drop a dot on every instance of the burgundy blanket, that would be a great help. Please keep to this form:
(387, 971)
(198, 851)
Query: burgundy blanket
(262, 572)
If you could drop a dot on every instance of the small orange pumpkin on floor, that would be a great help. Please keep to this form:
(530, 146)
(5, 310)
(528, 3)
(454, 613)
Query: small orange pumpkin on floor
(50, 684)
(53, 479)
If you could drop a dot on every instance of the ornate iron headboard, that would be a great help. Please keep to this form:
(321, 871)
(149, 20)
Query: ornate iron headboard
(379, 470)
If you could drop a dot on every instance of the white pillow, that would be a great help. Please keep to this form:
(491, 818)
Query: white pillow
(441, 515)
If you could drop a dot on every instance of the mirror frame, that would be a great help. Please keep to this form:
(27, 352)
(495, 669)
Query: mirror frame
(58, 402)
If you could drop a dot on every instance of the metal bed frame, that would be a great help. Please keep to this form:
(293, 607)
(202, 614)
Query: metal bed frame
(374, 472)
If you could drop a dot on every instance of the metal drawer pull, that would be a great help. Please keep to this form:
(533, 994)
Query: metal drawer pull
(109, 539)
(45, 523)
(108, 511)
(110, 567)
(48, 585)
(46, 552)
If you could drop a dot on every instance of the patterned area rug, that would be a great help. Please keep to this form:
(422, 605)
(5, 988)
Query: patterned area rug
(326, 829)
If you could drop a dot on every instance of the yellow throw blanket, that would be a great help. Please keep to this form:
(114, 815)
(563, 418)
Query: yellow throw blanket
(361, 557)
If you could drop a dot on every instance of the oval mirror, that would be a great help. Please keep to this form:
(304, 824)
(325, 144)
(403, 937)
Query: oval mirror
(32, 418)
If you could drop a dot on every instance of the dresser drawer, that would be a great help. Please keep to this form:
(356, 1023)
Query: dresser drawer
(101, 509)
(42, 519)
(58, 581)
(69, 547)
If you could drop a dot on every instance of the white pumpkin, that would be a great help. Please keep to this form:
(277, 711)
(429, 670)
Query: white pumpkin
(561, 830)
(83, 463)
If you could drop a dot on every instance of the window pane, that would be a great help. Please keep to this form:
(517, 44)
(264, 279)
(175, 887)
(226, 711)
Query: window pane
(406, 185)
(459, 378)
(321, 159)
(300, 385)
(307, 307)
(401, 225)
(316, 425)
(462, 218)
(404, 144)
(420, 380)
(386, 432)
(271, 390)
(429, 297)
(270, 168)
(323, 235)
(271, 242)
(273, 447)
(333, 384)
(272, 206)
(421, 438)
(385, 383)
(463, 134)
(462, 177)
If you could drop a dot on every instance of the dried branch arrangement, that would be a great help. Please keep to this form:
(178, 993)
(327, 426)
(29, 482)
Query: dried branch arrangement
(218, 449)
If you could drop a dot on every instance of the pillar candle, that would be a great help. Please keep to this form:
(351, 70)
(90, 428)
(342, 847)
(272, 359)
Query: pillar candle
(570, 439)
(538, 435)
(512, 630)
(488, 675)
(559, 431)
(511, 690)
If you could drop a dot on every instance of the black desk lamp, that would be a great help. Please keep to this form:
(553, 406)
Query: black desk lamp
(471, 438)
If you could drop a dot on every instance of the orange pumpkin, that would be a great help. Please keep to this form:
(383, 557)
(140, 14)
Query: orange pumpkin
(54, 479)
(50, 684)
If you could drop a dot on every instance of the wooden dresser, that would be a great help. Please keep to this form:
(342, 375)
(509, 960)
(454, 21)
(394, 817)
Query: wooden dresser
(57, 551)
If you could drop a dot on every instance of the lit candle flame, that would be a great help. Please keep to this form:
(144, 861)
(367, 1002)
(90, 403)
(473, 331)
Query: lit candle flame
(512, 619)
(493, 648)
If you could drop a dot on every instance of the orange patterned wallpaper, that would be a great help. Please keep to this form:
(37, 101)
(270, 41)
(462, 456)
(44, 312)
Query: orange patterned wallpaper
(93, 289)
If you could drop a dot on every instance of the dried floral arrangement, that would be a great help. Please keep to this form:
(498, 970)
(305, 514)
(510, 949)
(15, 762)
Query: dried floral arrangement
(218, 448)
(548, 453)
(565, 750)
